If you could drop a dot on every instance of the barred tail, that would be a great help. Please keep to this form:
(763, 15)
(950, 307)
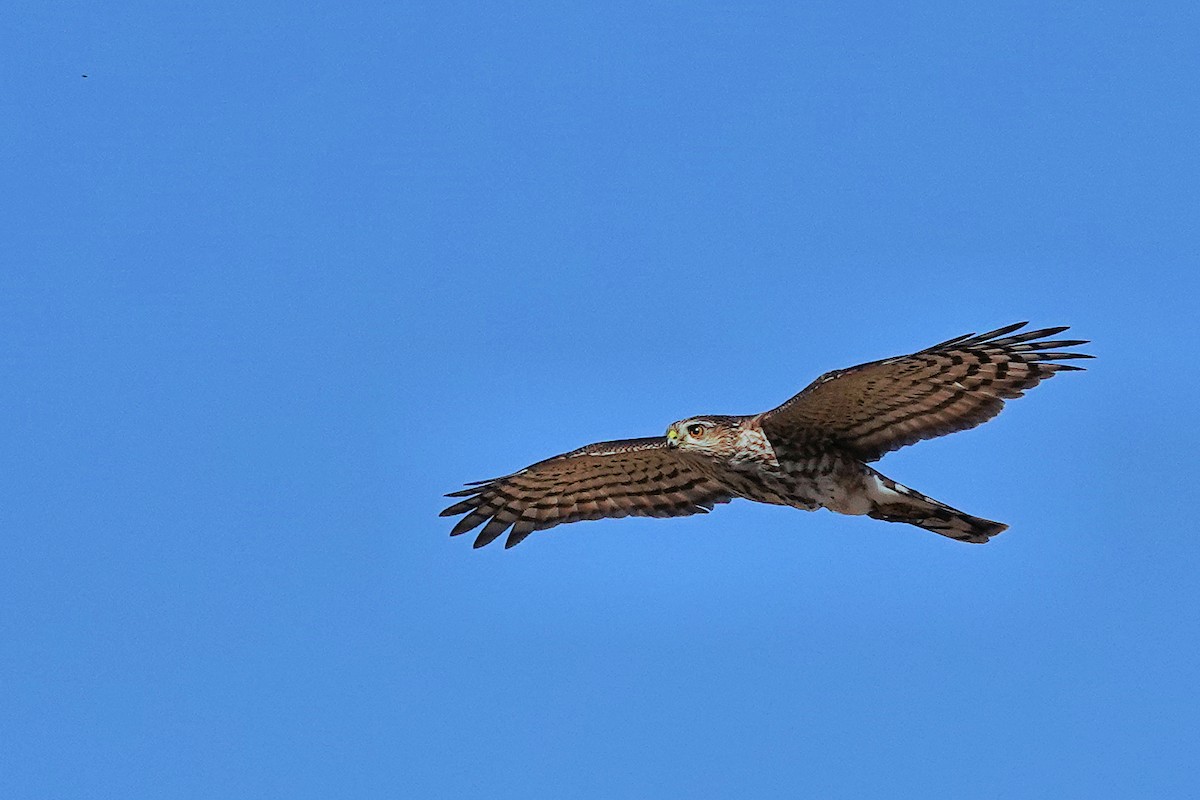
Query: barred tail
(894, 502)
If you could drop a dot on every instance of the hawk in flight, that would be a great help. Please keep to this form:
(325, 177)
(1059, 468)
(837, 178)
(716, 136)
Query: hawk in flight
(811, 452)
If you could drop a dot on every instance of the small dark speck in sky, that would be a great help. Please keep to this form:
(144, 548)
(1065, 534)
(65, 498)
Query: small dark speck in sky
(85, 76)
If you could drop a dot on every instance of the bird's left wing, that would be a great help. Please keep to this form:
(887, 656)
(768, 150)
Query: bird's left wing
(631, 477)
(877, 407)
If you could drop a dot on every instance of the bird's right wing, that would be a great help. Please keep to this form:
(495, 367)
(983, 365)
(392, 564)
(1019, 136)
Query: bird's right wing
(631, 477)
(873, 408)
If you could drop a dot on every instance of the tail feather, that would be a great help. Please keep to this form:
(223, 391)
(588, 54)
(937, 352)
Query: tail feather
(894, 502)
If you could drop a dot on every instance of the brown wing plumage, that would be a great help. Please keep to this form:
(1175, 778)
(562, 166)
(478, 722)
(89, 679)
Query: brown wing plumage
(632, 477)
(877, 407)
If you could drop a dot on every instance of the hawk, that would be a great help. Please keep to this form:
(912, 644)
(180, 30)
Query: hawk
(811, 452)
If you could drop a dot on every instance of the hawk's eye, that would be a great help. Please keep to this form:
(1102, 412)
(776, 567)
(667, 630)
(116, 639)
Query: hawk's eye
(695, 430)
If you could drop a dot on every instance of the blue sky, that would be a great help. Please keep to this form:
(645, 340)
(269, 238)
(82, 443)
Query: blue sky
(277, 277)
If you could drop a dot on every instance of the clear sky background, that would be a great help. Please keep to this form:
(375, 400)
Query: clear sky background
(277, 276)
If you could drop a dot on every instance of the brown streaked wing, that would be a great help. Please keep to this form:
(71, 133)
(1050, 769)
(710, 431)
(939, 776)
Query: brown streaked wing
(630, 477)
(883, 405)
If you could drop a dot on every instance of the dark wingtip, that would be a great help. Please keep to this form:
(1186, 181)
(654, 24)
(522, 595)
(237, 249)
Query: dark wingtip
(491, 532)
(471, 521)
(489, 480)
(1016, 326)
(1044, 355)
(469, 491)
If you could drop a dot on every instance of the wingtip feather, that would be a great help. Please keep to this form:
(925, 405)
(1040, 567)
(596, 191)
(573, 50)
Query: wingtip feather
(469, 522)
(1001, 331)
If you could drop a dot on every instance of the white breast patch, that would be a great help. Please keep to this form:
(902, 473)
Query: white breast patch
(753, 446)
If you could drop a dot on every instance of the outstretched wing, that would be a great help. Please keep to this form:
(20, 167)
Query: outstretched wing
(632, 477)
(877, 407)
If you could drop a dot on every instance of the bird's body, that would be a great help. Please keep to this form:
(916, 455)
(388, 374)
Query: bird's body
(822, 476)
(811, 452)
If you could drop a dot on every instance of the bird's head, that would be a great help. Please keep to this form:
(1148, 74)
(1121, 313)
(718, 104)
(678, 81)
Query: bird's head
(705, 435)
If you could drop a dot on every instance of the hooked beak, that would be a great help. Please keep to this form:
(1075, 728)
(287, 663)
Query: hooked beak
(672, 437)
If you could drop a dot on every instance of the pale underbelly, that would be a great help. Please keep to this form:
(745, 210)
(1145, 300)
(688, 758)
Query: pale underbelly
(838, 487)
